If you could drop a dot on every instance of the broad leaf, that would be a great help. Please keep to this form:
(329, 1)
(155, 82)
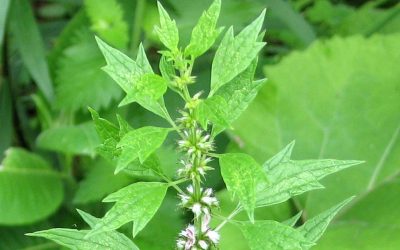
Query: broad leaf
(137, 202)
(326, 110)
(75, 239)
(102, 172)
(29, 189)
(167, 31)
(80, 139)
(235, 54)
(241, 175)
(205, 32)
(107, 18)
(84, 57)
(142, 61)
(316, 226)
(140, 143)
(272, 235)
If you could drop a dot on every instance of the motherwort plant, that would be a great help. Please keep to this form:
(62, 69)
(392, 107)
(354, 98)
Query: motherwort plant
(202, 118)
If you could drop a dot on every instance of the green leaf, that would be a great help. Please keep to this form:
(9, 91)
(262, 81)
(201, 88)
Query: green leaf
(150, 167)
(272, 235)
(120, 67)
(30, 45)
(6, 125)
(148, 91)
(88, 218)
(316, 226)
(205, 32)
(3, 18)
(75, 239)
(84, 57)
(369, 222)
(240, 92)
(29, 189)
(327, 111)
(289, 178)
(214, 110)
(167, 31)
(292, 221)
(102, 172)
(135, 78)
(137, 202)
(167, 68)
(235, 54)
(241, 175)
(79, 139)
(107, 20)
(140, 143)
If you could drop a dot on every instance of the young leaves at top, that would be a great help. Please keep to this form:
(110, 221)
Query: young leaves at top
(136, 78)
(235, 54)
(167, 31)
(137, 202)
(241, 175)
(205, 32)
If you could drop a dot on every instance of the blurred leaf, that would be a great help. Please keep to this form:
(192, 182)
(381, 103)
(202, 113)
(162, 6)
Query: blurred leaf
(107, 20)
(272, 235)
(79, 139)
(5, 4)
(232, 56)
(6, 124)
(241, 175)
(80, 81)
(75, 239)
(137, 202)
(30, 45)
(99, 182)
(371, 223)
(293, 20)
(29, 189)
(205, 32)
(15, 238)
(346, 91)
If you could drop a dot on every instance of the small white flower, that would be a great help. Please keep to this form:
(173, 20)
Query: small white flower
(190, 189)
(196, 209)
(203, 244)
(210, 201)
(213, 236)
(188, 238)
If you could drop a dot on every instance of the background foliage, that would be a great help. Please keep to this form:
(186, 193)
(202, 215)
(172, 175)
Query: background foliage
(333, 86)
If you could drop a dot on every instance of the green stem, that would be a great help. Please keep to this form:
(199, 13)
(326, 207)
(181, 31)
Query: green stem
(237, 210)
(137, 24)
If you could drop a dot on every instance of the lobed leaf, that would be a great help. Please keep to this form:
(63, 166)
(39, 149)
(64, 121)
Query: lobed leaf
(107, 18)
(242, 174)
(167, 31)
(140, 143)
(235, 54)
(205, 32)
(289, 178)
(137, 202)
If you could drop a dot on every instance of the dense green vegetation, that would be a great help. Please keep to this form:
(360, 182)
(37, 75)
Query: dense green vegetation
(333, 87)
